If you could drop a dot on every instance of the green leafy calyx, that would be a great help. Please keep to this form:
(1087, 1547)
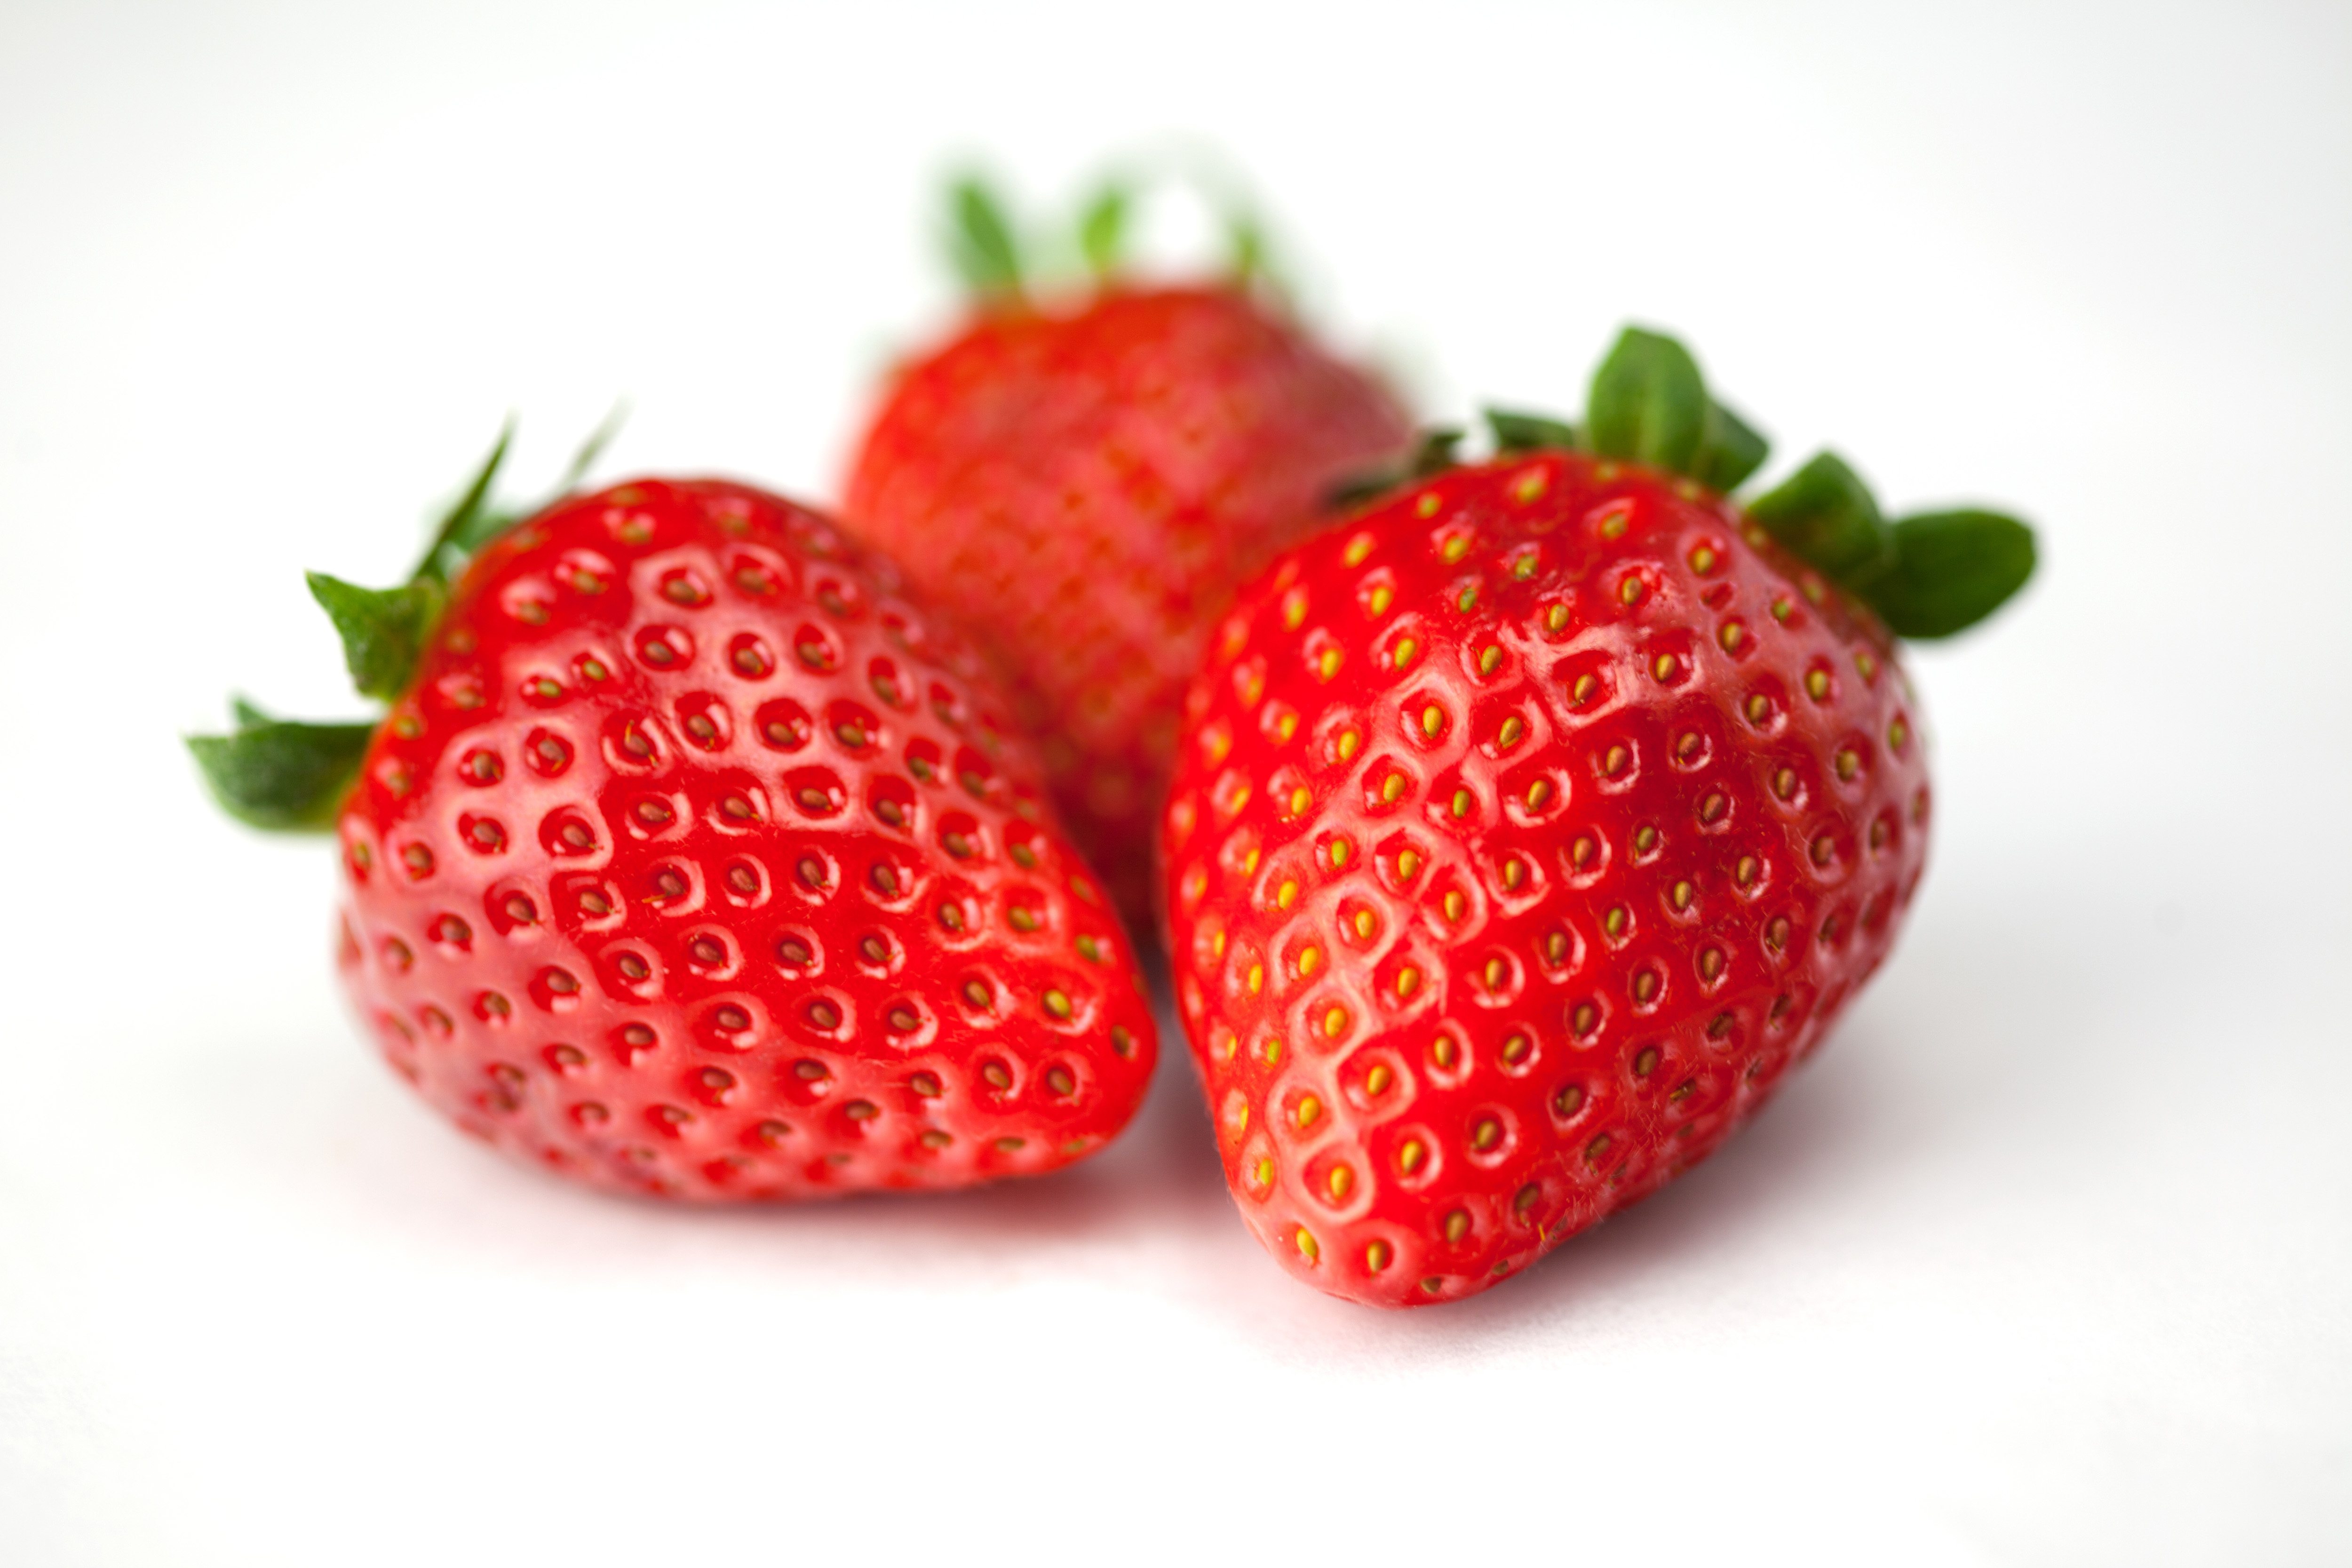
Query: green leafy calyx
(1926, 576)
(289, 776)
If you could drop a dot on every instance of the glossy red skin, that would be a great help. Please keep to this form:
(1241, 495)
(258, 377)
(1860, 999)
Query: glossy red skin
(1085, 491)
(574, 948)
(1717, 977)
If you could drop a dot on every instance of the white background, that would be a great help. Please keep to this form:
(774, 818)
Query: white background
(2047, 1260)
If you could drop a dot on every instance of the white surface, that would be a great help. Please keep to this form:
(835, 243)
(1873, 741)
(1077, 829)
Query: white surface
(2047, 1260)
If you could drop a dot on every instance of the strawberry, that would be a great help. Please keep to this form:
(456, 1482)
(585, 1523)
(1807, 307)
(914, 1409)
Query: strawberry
(1529, 826)
(693, 859)
(1085, 482)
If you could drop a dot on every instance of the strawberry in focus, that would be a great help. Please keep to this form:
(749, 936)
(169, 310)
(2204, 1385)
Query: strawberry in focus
(694, 859)
(1084, 483)
(1532, 824)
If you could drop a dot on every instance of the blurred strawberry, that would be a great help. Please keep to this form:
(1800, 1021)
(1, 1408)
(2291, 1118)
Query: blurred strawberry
(1084, 479)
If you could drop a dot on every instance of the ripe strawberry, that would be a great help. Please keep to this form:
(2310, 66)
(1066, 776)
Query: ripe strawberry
(1085, 483)
(1529, 826)
(694, 859)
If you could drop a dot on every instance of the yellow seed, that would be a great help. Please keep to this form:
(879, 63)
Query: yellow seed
(1307, 1248)
(1381, 598)
(1645, 840)
(1265, 1172)
(1515, 1048)
(1426, 507)
(1453, 549)
(1257, 978)
(1682, 895)
(1645, 985)
(1515, 871)
(1583, 851)
(1457, 1225)
(1556, 617)
(1299, 801)
(1411, 1157)
(1538, 793)
(1581, 693)
(1364, 923)
(1508, 735)
(1614, 764)
(1391, 787)
(1745, 872)
(1376, 1082)
(1338, 1182)
(1454, 903)
(1286, 727)
(1730, 636)
(1309, 1108)
(1308, 959)
(1462, 803)
(1294, 609)
(1335, 1022)
(1377, 1255)
(1469, 597)
(1349, 741)
(1340, 849)
(1896, 734)
(1495, 971)
(1057, 1004)
(1486, 1134)
(1405, 648)
(1702, 559)
(1444, 1050)
(1249, 863)
(1408, 981)
(1286, 895)
(1631, 591)
(1489, 658)
(1432, 720)
(1613, 922)
(1328, 665)
(1408, 863)
(1358, 549)
(1665, 667)
(1847, 763)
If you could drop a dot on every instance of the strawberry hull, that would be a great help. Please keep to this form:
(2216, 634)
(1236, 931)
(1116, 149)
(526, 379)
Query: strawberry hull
(696, 862)
(1528, 829)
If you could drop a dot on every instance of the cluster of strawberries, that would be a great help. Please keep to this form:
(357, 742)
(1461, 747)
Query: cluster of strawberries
(1511, 827)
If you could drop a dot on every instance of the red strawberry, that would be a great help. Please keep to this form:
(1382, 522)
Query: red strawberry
(1531, 826)
(1084, 486)
(694, 859)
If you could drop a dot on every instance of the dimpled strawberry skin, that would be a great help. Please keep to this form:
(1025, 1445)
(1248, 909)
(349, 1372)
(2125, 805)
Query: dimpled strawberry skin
(1527, 829)
(1086, 491)
(697, 861)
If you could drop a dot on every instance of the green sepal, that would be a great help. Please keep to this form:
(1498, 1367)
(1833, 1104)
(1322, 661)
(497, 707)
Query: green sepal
(1102, 229)
(1826, 516)
(1949, 570)
(1729, 451)
(282, 776)
(384, 629)
(1246, 251)
(471, 523)
(1516, 432)
(980, 240)
(247, 714)
(1648, 403)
